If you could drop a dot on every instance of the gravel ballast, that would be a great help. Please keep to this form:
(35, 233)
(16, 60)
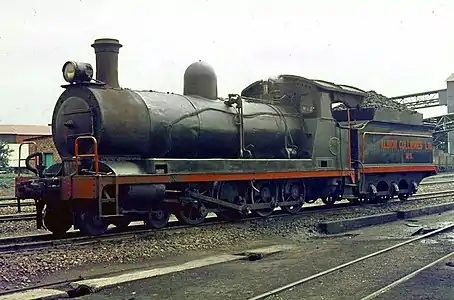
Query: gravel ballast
(10, 210)
(24, 269)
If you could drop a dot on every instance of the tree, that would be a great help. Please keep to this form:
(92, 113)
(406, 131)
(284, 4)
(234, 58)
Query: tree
(5, 151)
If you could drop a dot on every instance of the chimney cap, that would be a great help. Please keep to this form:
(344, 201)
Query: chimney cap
(106, 42)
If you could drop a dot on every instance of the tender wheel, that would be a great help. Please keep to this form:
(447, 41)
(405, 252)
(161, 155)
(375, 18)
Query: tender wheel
(191, 214)
(91, 224)
(264, 195)
(57, 221)
(293, 191)
(157, 218)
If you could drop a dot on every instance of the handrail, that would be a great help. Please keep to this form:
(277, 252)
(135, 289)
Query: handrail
(21, 159)
(94, 154)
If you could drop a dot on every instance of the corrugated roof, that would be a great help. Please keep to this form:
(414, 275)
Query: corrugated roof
(26, 129)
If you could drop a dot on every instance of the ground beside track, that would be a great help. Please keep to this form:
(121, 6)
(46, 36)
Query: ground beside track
(8, 229)
(20, 270)
(435, 283)
(244, 279)
(69, 261)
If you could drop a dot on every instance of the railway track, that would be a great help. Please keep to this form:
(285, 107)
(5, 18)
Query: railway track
(47, 240)
(11, 201)
(76, 293)
(407, 277)
(360, 259)
(447, 193)
(437, 182)
(14, 204)
(17, 217)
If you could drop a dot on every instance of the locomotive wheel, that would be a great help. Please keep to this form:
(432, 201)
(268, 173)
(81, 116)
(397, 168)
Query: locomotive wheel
(157, 218)
(265, 195)
(293, 191)
(228, 191)
(91, 224)
(191, 214)
(57, 221)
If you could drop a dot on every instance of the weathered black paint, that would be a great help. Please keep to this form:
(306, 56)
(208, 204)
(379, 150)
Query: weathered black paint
(202, 166)
(106, 51)
(153, 124)
(200, 80)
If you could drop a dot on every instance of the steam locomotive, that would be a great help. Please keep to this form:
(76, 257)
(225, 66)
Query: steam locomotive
(131, 155)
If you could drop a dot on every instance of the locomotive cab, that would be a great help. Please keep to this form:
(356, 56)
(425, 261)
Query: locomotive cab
(313, 99)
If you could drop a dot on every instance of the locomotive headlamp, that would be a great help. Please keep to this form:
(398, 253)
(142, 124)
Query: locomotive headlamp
(77, 72)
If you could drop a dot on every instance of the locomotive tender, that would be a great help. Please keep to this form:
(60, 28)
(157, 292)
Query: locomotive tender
(132, 155)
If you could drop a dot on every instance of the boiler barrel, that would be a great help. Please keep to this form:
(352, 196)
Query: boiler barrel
(153, 124)
(183, 126)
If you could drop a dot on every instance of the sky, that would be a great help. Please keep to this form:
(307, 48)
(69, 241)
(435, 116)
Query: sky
(392, 47)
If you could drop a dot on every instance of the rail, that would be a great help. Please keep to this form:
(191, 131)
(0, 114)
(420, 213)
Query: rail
(94, 154)
(344, 265)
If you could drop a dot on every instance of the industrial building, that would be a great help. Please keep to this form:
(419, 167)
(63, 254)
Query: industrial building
(14, 135)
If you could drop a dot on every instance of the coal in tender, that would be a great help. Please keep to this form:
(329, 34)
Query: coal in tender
(376, 100)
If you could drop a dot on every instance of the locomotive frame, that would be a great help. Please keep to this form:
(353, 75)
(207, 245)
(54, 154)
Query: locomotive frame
(90, 190)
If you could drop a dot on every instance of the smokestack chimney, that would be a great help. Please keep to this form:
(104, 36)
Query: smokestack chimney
(106, 51)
